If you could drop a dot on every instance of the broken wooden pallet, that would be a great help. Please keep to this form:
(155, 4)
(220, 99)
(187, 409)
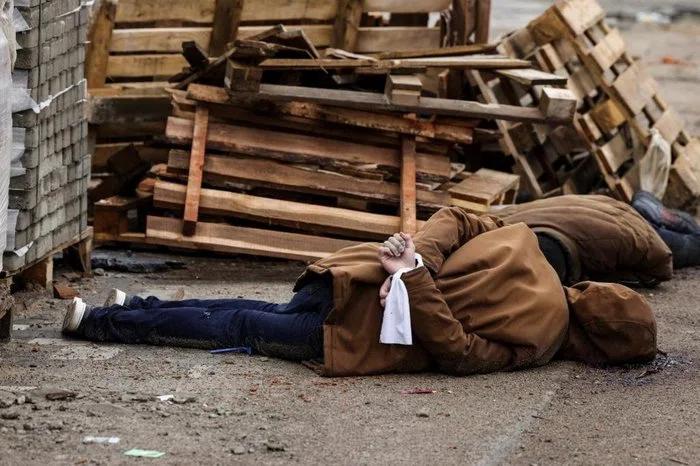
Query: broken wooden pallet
(619, 100)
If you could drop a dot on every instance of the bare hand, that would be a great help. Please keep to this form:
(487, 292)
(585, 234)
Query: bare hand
(398, 252)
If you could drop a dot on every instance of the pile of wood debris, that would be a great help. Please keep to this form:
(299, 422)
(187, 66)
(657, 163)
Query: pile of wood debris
(308, 154)
(277, 149)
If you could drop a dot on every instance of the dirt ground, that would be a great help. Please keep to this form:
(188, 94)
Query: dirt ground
(238, 409)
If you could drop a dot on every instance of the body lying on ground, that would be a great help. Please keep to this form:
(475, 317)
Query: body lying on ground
(486, 299)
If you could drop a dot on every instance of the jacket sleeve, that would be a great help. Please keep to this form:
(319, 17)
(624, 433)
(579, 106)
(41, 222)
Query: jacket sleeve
(448, 230)
(453, 350)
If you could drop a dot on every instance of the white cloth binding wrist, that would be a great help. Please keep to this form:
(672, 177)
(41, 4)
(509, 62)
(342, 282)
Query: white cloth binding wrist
(396, 324)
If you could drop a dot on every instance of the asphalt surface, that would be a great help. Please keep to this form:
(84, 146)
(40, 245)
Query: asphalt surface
(240, 409)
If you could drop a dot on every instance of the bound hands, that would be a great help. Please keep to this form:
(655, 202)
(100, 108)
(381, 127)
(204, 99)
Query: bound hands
(398, 252)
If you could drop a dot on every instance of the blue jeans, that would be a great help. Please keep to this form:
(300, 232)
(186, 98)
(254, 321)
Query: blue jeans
(289, 331)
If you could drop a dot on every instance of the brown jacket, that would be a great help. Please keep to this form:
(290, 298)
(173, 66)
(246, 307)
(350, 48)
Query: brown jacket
(494, 304)
(606, 239)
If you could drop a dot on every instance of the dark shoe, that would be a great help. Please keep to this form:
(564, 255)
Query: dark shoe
(685, 248)
(655, 213)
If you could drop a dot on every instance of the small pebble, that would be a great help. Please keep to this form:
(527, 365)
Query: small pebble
(239, 450)
(423, 413)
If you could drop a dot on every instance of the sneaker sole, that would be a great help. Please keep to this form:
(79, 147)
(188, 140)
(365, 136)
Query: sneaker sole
(74, 315)
(115, 297)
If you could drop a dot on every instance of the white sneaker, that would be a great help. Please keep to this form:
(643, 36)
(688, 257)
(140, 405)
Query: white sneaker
(74, 315)
(117, 297)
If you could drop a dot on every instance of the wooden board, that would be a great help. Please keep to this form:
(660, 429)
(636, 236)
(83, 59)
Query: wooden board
(408, 185)
(297, 215)
(195, 173)
(202, 11)
(606, 53)
(635, 88)
(100, 36)
(227, 18)
(302, 148)
(532, 77)
(615, 153)
(268, 173)
(485, 187)
(371, 101)
(459, 62)
(361, 119)
(217, 237)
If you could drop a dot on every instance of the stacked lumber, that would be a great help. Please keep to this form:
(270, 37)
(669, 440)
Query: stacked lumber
(51, 165)
(618, 104)
(273, 153)
(136, 44)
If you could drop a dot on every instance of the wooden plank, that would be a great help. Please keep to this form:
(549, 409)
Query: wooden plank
(268, 173)
(347, 23)
(608, 51)
(171, 39)
(608, 116)
(376, 102)
(581, 83)
(506, 142)
(532, 77)
(558, 104)
(100, 36)
(403, 6)
(302, 148)
(202, 11)
(458, 62)
(635, 88)
(484, 187)
(227, 18)
(669, 125)
(408, 185)
(303, 216)
(440, 52)
(395, 38)
(217, 237)
(589, 128)
(195, 174)
(370, 120)
(614, 153)
(403, 90)
(483, 21)
(147, 65)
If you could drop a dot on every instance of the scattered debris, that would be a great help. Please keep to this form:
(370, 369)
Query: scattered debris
(135, 452)
(101, 440)
(419, 391)
(135, 265)
(60, 395)
(241, 350)
(64, 291)
(239, 450)
(423, 413)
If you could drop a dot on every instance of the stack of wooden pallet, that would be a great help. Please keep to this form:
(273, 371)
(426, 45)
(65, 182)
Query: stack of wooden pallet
(296, 157)
(135, 48)
(51, 164)
(618, 106)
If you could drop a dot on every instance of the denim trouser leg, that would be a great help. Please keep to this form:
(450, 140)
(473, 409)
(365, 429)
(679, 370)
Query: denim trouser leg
(291, 331)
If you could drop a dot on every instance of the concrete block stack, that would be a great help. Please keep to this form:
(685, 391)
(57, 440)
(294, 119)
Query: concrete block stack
(51, 163)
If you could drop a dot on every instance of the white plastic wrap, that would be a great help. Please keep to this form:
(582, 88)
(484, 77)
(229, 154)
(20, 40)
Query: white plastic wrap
(6, 58)
(655, 167)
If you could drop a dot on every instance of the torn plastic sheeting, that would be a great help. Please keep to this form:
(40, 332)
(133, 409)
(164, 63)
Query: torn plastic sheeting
(7, 39)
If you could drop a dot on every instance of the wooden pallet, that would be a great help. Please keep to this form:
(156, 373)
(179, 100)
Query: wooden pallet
(619, 102)
(77, 251)
(535, 148)
(140, 41)
(136, 45)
